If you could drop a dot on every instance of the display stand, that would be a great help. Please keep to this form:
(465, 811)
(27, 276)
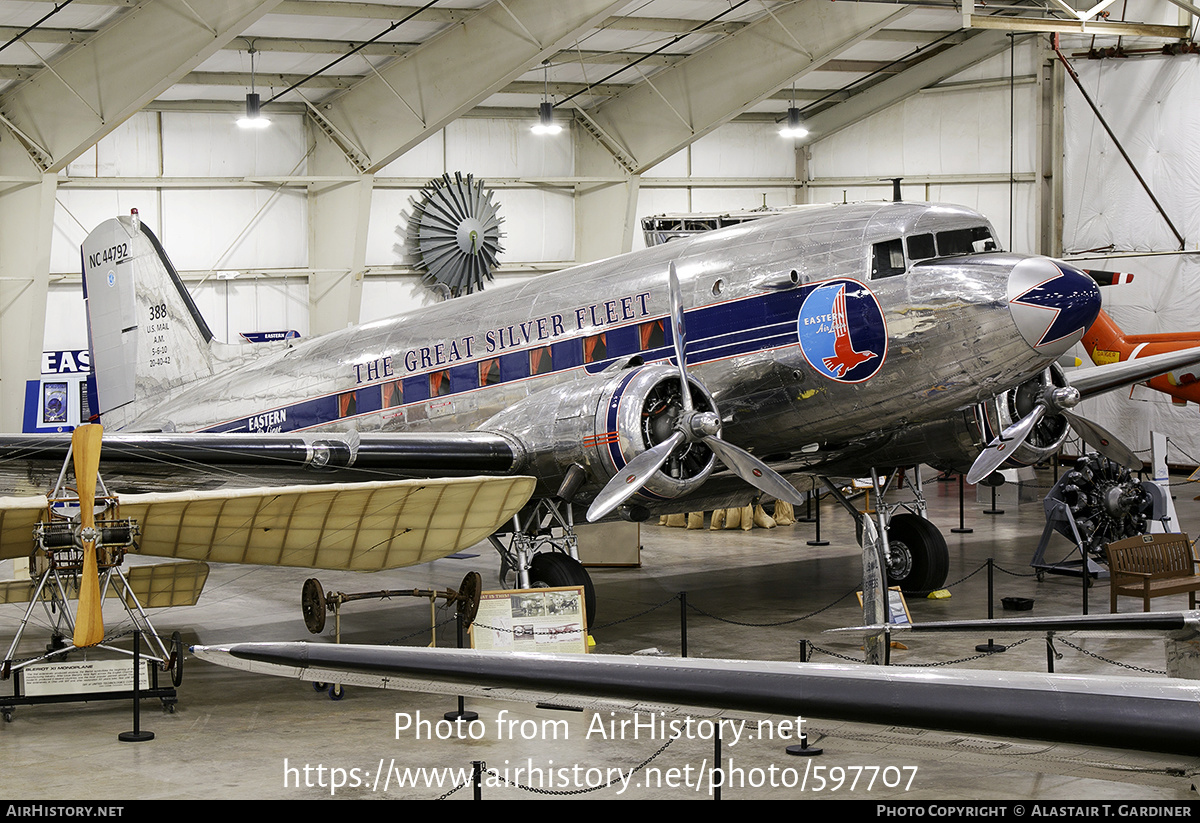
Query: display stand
(20, 696)
(314, 603)
(1060, 519)
(56, 567)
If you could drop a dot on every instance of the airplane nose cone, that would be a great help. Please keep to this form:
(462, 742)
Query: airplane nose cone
(1052, 303)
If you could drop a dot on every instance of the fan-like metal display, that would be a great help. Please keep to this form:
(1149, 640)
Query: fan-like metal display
(454, 233)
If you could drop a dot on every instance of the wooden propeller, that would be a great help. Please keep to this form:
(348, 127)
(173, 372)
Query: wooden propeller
(89, 621)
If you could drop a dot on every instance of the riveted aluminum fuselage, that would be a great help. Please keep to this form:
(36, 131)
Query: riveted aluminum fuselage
(950, 341)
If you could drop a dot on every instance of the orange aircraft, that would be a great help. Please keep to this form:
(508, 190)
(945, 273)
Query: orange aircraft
(1106, 343)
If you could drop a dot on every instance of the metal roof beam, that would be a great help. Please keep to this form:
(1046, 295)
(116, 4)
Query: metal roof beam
(986, 21)
(670, 25)
(898, 87)
(676, 106)
(380, 11)
(393, 109)
(46, 35)
(87, 92)
(370, 11)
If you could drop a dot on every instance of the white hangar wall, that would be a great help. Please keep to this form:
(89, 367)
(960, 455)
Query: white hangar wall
(185, 174)
(952, 144)
(738, 166)
(242, 244)
(1149, 102)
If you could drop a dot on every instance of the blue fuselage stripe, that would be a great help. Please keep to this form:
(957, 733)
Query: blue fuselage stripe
(759, 323)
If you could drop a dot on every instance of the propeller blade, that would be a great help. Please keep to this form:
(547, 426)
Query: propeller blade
(874, 591)
(754, 471)
(679, 334)
(85, 448)
(1103, 441)
(1009, 441)
(627, 482)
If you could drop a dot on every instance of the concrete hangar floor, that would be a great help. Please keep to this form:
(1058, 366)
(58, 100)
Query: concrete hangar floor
(238, 735)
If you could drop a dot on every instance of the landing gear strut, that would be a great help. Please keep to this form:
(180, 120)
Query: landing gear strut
(916, 557)
(543, 552)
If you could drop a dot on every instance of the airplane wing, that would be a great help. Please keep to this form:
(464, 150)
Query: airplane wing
(1093, 380)
(354, 526)
(439, 453)
(156, 586)
(1148, 714)
(1134, 624)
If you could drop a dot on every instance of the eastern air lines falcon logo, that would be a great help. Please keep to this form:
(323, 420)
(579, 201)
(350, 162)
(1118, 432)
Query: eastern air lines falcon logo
(842, 332)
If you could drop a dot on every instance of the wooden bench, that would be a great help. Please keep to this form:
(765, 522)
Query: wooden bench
(1153, 565)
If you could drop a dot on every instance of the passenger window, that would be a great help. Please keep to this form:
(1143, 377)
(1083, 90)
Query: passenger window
(920, 247)
(540, 361)
(595, 348)
(887, 259)
(489, 372)
(439, 383)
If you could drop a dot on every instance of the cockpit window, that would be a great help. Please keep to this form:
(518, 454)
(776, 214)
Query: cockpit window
(965, 241)
(887, 259)
(920, 247)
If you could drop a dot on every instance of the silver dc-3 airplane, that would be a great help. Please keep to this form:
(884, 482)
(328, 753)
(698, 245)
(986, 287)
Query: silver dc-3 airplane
(829, 340)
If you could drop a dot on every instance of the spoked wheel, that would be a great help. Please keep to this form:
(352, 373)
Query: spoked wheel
(312, 604)
(176, 660)
(553, 569)
(918, 559)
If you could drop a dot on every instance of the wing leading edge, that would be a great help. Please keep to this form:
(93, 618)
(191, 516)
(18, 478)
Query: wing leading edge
(399, 453)
(1148, 714)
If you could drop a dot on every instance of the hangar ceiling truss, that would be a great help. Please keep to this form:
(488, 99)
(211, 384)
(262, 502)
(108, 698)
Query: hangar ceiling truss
(85, 92)
(75, 77)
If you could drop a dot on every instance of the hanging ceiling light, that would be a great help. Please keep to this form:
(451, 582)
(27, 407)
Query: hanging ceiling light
(793, 125)
(545, 123)
(254, 118)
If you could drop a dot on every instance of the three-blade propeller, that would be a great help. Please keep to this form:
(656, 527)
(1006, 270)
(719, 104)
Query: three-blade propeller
(1053, 400)
(691, 426)
(85, 448)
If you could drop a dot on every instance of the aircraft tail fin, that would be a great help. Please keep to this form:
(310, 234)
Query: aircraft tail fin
(146, 335)
(1104, 341)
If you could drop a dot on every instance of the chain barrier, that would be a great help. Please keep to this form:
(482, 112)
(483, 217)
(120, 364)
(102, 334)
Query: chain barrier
(1012, 573)
(980, 656)
(959, 581)
(589, 789)
(1094, 656)
(399, 641)
(789, 621)
(462, 785)
(670, 599)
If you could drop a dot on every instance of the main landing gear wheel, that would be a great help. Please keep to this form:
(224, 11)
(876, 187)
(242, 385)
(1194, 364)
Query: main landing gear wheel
(553, 569)
(918, 558)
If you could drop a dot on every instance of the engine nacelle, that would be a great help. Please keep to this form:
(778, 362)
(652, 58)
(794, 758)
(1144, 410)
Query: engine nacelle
(1047, 436)
(956, 442)
(601, 423)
